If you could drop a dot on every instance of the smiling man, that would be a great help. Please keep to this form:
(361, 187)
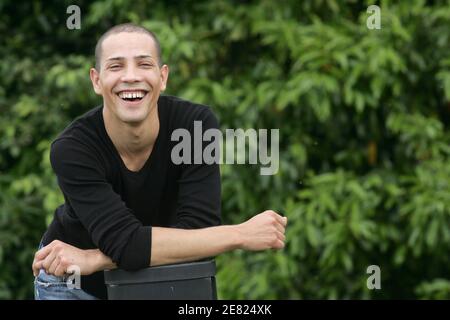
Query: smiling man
(127, 204)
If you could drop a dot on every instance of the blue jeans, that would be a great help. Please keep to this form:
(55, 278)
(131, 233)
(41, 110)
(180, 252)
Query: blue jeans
(49, 287)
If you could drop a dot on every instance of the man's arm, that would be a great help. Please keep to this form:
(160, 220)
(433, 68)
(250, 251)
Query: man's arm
(263, 231)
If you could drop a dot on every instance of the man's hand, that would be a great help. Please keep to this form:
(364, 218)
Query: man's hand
(57, 257)
(263, 231)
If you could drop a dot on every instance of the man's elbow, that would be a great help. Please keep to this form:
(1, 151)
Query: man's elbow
(136, 252)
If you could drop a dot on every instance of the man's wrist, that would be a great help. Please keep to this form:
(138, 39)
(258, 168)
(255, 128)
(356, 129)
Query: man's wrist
(236, 236)
(99, 261)
(105, 262)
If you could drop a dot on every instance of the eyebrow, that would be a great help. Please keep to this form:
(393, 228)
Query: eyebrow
(142, 56)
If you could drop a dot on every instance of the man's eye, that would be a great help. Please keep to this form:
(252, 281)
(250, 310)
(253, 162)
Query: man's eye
(114, 66)
(146, 65)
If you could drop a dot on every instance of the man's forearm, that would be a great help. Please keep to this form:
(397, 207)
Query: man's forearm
(179, 245)
(171, 245)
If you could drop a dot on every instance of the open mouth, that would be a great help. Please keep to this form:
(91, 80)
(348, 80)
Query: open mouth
(132, 96)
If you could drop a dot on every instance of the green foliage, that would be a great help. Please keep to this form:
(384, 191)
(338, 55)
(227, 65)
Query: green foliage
(364, 127)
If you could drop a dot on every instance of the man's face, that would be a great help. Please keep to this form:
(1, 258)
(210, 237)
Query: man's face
(130, 79)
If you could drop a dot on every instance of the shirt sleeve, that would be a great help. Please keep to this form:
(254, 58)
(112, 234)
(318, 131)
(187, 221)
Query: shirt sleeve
(199, 193)
(112, 226)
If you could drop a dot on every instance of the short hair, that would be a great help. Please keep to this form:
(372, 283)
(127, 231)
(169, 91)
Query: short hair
(125, 27)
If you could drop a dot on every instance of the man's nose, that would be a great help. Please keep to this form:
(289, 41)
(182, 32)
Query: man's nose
(131, 75)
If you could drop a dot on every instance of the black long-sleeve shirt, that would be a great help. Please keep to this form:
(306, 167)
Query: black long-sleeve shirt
(112, 208)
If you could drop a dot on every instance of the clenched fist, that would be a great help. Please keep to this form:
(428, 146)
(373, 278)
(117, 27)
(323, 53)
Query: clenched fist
(263, 231)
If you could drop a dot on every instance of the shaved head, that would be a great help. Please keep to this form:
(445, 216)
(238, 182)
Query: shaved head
(126, 27)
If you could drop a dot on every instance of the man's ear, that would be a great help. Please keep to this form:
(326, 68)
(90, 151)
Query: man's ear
(95, 79)
(164, 76)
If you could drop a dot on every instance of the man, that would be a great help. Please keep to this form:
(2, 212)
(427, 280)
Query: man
(127, 204)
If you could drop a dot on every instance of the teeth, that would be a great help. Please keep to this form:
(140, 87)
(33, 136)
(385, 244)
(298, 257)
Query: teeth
(131, 95)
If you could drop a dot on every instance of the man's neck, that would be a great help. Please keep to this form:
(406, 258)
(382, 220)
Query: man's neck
(132, 140)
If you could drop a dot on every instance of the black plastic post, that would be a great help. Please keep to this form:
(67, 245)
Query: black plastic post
(184, 281)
